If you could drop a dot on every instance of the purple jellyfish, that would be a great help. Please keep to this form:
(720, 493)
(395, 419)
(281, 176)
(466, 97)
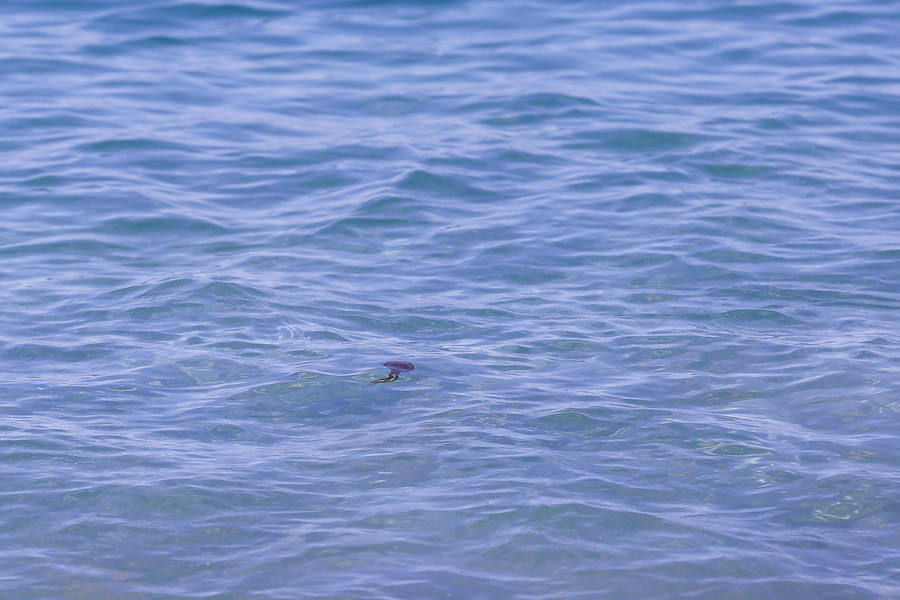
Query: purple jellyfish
(396, 367)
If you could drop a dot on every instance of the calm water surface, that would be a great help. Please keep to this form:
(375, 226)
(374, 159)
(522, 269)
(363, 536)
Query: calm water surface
(644, 256)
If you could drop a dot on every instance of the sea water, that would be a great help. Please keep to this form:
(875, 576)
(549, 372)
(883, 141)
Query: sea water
(645, 257)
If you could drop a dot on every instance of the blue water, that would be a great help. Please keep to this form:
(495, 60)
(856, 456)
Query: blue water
(645, 257)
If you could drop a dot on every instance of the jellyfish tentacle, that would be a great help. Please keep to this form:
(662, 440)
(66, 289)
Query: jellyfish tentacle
(392, 376)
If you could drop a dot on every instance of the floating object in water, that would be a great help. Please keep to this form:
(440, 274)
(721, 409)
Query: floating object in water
(396, 367)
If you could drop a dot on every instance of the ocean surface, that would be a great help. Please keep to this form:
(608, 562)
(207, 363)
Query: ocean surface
(645, 257)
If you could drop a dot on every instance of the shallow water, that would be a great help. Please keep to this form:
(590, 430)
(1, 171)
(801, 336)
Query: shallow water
(645, 259)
